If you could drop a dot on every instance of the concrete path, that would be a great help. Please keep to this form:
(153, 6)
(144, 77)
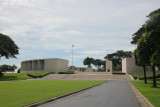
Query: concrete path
(111, 94)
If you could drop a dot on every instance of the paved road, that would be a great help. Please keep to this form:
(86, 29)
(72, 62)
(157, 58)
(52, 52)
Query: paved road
(111, 94)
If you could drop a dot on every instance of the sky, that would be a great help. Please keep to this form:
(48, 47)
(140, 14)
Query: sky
(48, 28)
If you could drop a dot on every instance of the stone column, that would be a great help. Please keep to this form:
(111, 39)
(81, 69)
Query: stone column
(108, 66)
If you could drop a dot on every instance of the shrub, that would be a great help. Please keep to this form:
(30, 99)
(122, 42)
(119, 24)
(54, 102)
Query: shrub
(19, 70)
(118, 73)
(37, 74)
(70, 72)
(135, 78)
(1, 74)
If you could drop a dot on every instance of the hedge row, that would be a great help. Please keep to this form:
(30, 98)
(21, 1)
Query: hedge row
(37, 74)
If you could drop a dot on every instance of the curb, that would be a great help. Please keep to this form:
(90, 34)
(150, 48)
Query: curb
(131, 77)
(144, 102)
(59, 97)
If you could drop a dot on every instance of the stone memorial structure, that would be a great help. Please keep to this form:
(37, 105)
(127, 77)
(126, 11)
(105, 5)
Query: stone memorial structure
(108, 65)
(55, 65)
(128, 65)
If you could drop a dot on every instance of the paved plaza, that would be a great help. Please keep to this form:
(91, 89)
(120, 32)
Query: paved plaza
(88, 76)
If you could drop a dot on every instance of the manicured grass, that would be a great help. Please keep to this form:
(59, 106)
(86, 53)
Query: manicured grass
(141, 74)
(15, 76)
(21, 93)
(37, 74)
(152, 94)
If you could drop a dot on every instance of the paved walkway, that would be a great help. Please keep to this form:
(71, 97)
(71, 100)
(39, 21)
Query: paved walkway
(111, 94)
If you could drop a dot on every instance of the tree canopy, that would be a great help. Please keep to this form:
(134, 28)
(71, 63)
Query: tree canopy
(97, 63)
(8, 48)
(148, 44)
(7, 68)
(152, 23)
(88, 61)
(117, 57)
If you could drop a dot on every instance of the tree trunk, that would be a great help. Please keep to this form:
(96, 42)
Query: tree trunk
(154, 77)
(145, 78)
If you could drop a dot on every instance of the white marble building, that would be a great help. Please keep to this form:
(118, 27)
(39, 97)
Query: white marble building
(48, 65)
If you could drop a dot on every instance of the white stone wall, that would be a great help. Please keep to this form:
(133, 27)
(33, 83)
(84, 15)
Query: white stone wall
(108, 65)
(128, 65)
(124, 66)
(48, 65)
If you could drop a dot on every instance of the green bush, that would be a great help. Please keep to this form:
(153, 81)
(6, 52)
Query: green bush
(118, 73)
(38, 74)
(1, 74)
(70, 72)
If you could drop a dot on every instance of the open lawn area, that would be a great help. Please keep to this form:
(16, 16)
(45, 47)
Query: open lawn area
(152, 94)
(15, 76)
(21, 93)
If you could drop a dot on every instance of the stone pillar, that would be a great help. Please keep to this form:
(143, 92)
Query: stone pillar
(128, 66)
(29, 65)
(108, 66)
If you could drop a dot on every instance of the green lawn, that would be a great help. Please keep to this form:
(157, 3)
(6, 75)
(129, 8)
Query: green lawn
(152, 94)
(21, 93)
(15, 76)
(141, 74)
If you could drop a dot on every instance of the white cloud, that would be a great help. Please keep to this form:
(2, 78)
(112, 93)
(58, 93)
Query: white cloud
(95, 27)
(94, 52)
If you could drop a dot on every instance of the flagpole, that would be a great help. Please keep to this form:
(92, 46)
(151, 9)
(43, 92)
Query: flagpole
(72, 55)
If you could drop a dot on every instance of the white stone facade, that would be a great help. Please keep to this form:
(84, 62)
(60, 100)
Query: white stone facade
(108, 65)
(128, 65)
(48, 65)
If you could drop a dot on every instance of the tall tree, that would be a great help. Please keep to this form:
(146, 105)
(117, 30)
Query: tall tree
(117, 57)
(148, 46)
(142, 56)
(97, 63)
(8, 48)
(88, 61)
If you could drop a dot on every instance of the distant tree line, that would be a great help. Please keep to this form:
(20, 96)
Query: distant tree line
(98, 63)
(7, 68)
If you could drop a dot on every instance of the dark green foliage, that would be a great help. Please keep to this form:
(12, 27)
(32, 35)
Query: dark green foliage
(148, 44)
(118, 73)
(117, 57)
(37, 74)
(136, 36)
(152, 23)
(7, 68)
(88, 61)
(97, 63)
(19, 70)
(8, 48)
(70, 72)
(1, 74)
